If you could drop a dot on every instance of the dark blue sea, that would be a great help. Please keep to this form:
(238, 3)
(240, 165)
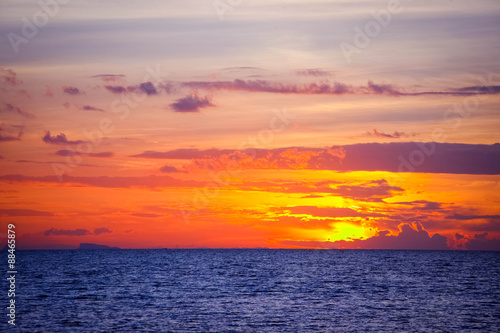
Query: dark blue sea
(255, 291)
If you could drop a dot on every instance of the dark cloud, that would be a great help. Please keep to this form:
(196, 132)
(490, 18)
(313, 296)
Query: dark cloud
(101, 154)
(7, 138)
(332, 88)
(71, 90)
(59, 139)
(190, 103)
(30, 161)
(313, 72)
(99, 231)
(148, 88)
(428, 157)
(91, 108)
(421, 205)
(24, 212)
(373, 191)
(67, 152)
(472, 217)
(274, 87)
(52, 162)
(10, 136)
(116, 89)
(480, 242)
(66, 232)
(110, 182)
(168, 168)
(459, 236)
(383, 88)
(145, 87)
(395, 135)
(481, 89)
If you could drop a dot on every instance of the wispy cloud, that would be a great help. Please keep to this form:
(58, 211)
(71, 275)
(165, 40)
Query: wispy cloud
(313, 72)
(67, 152)
(66, 232)
(9, 77)
(24, 212)
(395, 135)
(91, 108)
(12, 108)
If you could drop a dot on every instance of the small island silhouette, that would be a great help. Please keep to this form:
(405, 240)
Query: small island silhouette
(91, 246)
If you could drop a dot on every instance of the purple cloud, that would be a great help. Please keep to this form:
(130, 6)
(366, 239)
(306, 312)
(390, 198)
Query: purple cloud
(24, 212)
(66, 232)
(168, 168)
(480, 242)
(91, 108)
(8, 138)
(471, 217)
(99, 231)
(383, 88)
(432, 157)
(59, 139)
(190, 103)
(71, 90)
(336, 88)
(148, 88)
(8, 76)
(395, 135)
(11, 108)
(116, 89)
(67, 152)
(110, 182)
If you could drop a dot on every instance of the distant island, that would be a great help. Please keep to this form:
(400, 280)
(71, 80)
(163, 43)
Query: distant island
(90, 246)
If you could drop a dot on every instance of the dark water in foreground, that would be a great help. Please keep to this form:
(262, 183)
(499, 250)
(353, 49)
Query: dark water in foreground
(256, 291)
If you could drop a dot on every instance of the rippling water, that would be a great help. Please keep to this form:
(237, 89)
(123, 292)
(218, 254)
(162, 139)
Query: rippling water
(257, 291)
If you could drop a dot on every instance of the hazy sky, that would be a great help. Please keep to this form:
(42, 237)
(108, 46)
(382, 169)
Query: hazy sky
(366, 124)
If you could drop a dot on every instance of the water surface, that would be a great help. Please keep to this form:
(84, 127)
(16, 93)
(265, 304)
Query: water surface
(257, 291)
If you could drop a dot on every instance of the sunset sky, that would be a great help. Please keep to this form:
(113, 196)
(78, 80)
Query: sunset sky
(227, 124)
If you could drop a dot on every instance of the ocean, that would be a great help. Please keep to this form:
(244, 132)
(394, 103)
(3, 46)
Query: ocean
(255, 290)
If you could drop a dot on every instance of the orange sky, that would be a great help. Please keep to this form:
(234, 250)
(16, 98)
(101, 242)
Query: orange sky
(176, 127)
